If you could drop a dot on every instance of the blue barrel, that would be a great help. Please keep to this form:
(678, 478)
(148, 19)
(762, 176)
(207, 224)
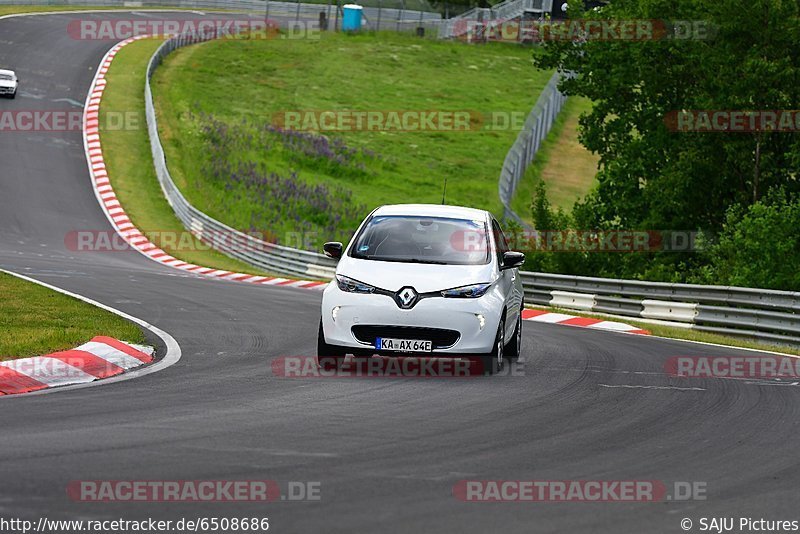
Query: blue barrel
(351, 18)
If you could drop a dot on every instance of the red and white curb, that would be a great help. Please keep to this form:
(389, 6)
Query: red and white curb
(116, 213)
(102, 357)
(172, 354)
(544, 316)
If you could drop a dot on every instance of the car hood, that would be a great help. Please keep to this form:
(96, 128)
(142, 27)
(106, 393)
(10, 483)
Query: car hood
(422, 277)
(7, 83)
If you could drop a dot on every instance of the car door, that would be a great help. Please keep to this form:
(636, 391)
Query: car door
(508, 281)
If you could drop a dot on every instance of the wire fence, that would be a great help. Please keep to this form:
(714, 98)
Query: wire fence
(379, 15)
(522, 152)
(251, 6)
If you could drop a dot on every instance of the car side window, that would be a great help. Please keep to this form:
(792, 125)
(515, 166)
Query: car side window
(500, 240)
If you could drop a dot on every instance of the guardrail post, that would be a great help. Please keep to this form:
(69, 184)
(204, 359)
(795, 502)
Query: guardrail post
(400, 14)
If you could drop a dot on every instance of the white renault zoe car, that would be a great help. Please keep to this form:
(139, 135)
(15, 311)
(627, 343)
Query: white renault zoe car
(424, 280)
(8, 83)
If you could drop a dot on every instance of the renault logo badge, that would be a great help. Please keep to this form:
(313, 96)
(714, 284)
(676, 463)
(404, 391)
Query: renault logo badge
(406, 297)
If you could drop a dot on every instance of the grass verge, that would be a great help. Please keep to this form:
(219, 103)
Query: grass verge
(219, 102)
(566, 167)
(130, 164)
(676, 332)
(35, 320)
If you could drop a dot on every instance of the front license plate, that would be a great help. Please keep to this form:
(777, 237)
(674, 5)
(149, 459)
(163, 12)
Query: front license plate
(404, 345)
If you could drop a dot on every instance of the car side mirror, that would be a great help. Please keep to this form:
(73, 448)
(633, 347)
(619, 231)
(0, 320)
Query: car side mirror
(512, 259)
(333, 249)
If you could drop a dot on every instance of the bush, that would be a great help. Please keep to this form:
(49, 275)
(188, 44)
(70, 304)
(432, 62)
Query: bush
(758, 247)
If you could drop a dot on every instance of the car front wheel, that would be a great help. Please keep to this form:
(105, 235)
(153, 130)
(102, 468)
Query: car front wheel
(493, 362)
(514, 348)
(328, 356)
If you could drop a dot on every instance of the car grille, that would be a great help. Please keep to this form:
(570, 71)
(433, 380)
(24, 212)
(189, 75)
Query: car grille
(439, 337)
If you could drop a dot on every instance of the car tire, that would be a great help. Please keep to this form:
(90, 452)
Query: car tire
(329, 357)
(13, 95)
(514, 347)
(493, 362)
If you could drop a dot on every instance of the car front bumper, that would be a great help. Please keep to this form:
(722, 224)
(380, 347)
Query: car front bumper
(458, 314)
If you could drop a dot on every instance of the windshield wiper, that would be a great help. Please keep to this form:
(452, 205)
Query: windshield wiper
(398, 260)
(429, 262)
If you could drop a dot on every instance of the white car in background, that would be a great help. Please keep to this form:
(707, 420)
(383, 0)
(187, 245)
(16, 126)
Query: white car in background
(8, 83)
(424, 280)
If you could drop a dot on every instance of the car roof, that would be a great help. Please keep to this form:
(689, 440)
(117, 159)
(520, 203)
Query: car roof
(4, 71)
(433, 210)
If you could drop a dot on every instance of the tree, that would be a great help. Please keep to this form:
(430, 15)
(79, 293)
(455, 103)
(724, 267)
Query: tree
(656, 179)
(758, 247)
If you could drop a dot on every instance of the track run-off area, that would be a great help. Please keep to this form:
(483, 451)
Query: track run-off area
(387, 453)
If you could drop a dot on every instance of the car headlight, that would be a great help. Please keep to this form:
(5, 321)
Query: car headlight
(467, 292)
(352, 286)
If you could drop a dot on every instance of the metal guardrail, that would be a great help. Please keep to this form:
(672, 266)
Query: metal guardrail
(519, 157)
(267, 256)
(764, 314)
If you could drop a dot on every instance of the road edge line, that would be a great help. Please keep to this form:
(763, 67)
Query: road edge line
(172, 356)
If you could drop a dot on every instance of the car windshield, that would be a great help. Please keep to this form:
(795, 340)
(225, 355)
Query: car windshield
(414, 239)
(6, 77)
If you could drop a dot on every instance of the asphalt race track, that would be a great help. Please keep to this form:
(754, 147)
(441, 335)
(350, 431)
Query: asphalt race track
(386, 451)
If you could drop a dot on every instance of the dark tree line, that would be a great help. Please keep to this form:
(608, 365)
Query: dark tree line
(739, 189)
